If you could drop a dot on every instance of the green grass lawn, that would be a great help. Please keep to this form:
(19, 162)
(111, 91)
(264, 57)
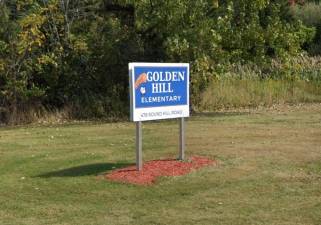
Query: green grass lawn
(269, 171)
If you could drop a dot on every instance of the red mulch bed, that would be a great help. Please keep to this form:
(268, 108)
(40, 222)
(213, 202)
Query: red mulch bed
(154, 169)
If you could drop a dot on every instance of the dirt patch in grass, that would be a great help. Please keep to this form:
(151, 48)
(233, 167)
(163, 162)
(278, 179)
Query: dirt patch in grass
(158, 168)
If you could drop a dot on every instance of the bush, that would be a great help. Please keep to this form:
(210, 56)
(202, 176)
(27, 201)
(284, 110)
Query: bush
(301, 67)
(310, 15)
(54, 56)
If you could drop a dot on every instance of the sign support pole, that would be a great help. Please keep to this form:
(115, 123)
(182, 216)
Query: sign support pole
(139, 142)
(181, 139)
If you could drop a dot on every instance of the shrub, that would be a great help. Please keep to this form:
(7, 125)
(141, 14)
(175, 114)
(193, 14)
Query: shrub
(310, 15)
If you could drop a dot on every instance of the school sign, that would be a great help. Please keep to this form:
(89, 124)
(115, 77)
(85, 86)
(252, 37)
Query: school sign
(158, 91)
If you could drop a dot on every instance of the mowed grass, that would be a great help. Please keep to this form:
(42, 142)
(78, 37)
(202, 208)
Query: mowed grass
(269, 171)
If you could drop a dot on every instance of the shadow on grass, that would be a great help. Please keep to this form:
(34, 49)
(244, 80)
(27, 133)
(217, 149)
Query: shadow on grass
(85, 170)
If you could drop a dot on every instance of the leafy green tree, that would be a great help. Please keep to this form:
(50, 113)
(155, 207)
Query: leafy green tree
(211, 34)
(57, 53)
(20, 40)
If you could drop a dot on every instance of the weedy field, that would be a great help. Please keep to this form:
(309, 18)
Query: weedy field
(269, 171)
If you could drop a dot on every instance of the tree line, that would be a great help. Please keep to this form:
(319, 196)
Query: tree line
(75, 53)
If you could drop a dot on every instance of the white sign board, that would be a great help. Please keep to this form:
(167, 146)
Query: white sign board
(158, 91)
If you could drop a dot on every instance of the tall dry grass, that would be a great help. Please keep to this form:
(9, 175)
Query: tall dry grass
(295, 81)
(229, 93)
(41, 115)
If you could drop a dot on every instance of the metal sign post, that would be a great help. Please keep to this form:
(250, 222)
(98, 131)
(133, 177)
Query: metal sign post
(158, 91)
(139, 147)
(181, 139)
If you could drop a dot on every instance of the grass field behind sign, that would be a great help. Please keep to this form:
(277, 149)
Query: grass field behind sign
(251, 93)
(269, 171)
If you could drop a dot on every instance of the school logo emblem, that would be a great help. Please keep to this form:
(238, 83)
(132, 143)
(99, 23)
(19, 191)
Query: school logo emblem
(142, 78)
(142, 90)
